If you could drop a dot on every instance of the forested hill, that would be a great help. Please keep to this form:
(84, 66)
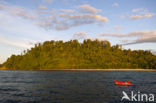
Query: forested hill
(75, 55)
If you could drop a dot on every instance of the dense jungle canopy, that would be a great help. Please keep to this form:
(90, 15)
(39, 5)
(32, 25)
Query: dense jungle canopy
(93, 54)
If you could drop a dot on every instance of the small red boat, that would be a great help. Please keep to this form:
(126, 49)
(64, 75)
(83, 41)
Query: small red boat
(122, 83)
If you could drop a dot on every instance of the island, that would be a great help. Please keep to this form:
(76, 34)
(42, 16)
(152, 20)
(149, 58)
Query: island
(74, 55)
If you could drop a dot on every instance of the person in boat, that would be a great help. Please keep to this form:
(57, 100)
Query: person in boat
(122, 83)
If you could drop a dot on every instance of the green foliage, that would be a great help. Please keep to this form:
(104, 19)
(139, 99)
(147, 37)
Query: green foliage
(75, 55)
(0, 65)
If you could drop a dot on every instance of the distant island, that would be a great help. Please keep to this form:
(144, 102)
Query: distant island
(90, 54)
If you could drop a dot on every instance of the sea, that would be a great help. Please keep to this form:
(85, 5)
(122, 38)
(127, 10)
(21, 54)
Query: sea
(74, 86)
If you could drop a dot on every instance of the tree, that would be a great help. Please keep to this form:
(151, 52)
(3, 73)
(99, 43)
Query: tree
(73, 54)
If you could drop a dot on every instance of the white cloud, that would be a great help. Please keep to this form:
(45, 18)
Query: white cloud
(115, 4)
(141, 13)
(52, 19)
(17, 11)
(85, 17)
(132, 34)
(64, 21)
(142, 16)
(100, 39)
(68, 10)
(88, 9)
(147, 36)
(142, 36)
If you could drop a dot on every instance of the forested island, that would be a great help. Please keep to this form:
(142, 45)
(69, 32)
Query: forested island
(89, 54)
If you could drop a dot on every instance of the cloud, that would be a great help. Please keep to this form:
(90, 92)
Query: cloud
(80, 35)
(64, 21)
(132, 34)
(100, 39)
(142, 16)
(52, 19)
(141, 13)
(68, 10)
(142, 36)
(88, 9)
(85, 17)
(17, 11)
(115, 4)
(139, 10)
(42, 7)
(148, 36)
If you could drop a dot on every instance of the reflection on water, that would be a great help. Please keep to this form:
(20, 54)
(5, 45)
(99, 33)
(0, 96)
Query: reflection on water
(71, 86)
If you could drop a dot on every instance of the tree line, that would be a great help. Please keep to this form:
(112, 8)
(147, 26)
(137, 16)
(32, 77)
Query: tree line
(92, 54)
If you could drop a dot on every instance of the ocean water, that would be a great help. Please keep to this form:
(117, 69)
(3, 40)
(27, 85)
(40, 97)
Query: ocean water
(72, 86)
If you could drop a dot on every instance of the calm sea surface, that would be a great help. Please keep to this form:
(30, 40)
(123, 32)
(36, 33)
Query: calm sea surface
(72, 86)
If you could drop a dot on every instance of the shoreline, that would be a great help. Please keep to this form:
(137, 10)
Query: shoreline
(108, 69)
(82, 69)
(99, 70)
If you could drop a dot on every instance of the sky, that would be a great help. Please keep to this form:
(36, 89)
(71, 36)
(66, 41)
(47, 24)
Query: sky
(23, 23)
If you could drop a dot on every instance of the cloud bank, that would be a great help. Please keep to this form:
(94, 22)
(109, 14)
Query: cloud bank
(142, 36)
(57, 19)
